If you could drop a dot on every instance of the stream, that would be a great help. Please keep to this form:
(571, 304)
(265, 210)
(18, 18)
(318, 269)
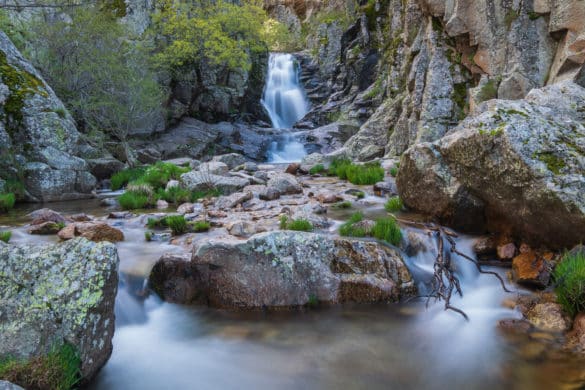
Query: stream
(404, 346)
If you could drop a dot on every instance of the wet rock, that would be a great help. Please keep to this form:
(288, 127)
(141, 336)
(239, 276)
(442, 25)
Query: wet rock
(109, 202)
(416, 241)
(198, 181)
(81, 217)
(285, 184)
(506, 251)
(328, 197)
(485, 247)
(52, 293)
(120, 215)
(532, 269)
(548, 317)
(162, 204)
(231, 201)
(269, 194)
(576, 337)
(104, 168)
(319, 209)
(385, 188)
(4, 385)
(243, 228)
(185, 208)
(292, 168)
(175, 279)
(46, 215)
(45, 228)
(232, 160)
(287, 269)
(515, 326)
(94, 231)
(214, 168)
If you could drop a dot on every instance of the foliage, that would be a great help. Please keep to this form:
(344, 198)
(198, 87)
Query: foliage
(283, 222)
(221, 33)
(394, 204)
(360, 194)
(176, 195)
(301, 224)
(177, 224)
(319, 168)
(387, 229)
(393, 171)
(369, 173)
(134, 200)
(58, 370)
(103, 76)
(569, 278)
(339, 167)
(210, 193)
(201, 226)
(342, 205)
(7, 201)
(148, 236)
(5, 236)
(488, 91)
(348, 228)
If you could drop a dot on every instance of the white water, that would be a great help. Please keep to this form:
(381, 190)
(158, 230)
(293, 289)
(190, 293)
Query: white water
(285, 101)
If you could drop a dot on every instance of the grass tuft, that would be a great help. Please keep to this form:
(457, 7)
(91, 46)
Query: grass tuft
(369, 173)
(134, 200)
(569, 278)
(7, 201)
(177, 224)
(5, 236)
(120, 179)
(201, 226)
(394, 204)
(348, 229)
(387, 229)
(319, 168)
(300, 225)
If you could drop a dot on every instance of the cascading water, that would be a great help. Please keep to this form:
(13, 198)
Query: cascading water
(285, 101)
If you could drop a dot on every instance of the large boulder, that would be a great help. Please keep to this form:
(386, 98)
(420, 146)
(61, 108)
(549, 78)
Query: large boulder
(285, 184)
(285, 269)
(201, 181)
(94, 231)
(516, 167)
(52, 294)
(38, 137)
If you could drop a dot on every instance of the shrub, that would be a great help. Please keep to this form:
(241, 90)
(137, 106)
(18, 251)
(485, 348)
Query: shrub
(569, 278)
(133, 200)
(5, 236)
(120, 179)
(348, 229)
(301, 225)
(319, 168)
(7, 201)
(177, 224)
(59, 370)
(201, 226)
(387, 229)
(394, 204)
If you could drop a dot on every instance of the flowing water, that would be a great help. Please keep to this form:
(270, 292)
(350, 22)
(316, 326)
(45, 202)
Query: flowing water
(286, 103)
(400, 346)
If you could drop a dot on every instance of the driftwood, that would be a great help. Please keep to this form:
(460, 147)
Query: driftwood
(445, 282)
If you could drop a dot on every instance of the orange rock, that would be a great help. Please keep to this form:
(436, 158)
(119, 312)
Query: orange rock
(529, 268)
(93, 231)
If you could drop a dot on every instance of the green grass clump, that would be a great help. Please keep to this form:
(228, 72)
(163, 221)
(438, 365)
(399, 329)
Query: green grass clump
(339, 167)
(346, 204)
(177, 224)
(394, 171)
(159, 174)
(319, 168)
(5, 236)
(387, 229)
(394, 204)
(176, 195)
(370, 173)
(134, 200)
(7, 201)
(360, 195)
(488, 91)
(300, 225)
(120, 179)
(569, 278)
(213, 192)
(148, 236)
(58, 370)
(201, 226)
(348, 228)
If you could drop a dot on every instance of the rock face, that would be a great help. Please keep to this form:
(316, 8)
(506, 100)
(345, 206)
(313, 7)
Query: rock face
(58, 293)
(516, 166)
(38, 138)
(286, 269)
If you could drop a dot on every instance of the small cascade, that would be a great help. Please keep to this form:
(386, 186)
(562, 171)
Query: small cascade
(286, 103)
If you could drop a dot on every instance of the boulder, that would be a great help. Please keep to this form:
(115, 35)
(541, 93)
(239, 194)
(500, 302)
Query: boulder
(185, 208)
(383, 188)
(162, 204)
(45, 228)
(548, 316)
(46, 215)
(514, 167)
(285, 184)
(292, 168)
(286, 269)
(52, 294)
(231, 201)
(243, 228)
(269, 193)
(506, 251)
(198, 181)
(328, 197)
(94, 231)
(576, 337)
(174, 279)
(213, 168)
(104, 168)
(532, 269)
(232, 160)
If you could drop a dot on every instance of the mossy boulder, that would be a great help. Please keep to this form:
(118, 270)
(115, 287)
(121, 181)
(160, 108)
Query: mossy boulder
(56, 294)
(517, 166)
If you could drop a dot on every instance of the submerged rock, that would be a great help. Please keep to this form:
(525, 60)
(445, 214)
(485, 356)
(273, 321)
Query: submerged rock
(51, 294)
(94, 231)
(285, 269)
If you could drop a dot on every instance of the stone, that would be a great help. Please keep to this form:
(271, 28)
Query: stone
(232, 160)
(506, 251)
(515, 326)
(214, 168)
(231, 201)
(532, 269)
(52, 293)
(109, 202)
(485, 247)
(548, 317)
(269, 193)
(384, 188)
(285, 269)
(120, 215)
(576, 337)
(104, 168)
(243, 228)
(4, 385)
(185, 208)
(328, 197)
(94, 231)
(285, 184)
(162, 204)
(81, 217)
(46, 215)
(45, 228)
(292, 168)
(197, 181)
(172, 184)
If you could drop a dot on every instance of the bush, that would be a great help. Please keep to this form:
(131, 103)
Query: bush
(319, 168)
(387, 229)
(7, 201)
(301, 225)
(201, 226)
(120, 179)
(348, 229)
(5, 236)
(58, 370)
(177, 224)
(370, 173)
(569, 278)
(394, 204)
(133, 200)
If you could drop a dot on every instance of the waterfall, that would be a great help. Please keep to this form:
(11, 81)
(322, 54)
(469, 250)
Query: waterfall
(285, 101)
